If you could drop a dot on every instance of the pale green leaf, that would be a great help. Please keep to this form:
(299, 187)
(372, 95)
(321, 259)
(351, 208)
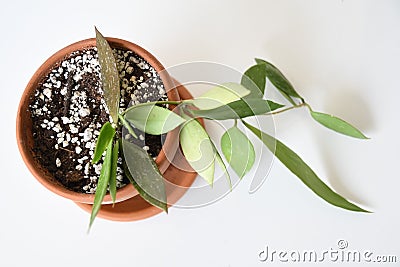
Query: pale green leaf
(198, 149)
(153, 119)
(238, 109)
(109, 75)
(144, 174)
(106, 135)
(298, 167)
(238, 150)
(220, 95)
(337, 124)
(254, 79)
(102, 183)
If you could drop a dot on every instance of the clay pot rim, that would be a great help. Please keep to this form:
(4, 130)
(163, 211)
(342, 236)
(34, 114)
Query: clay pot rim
(36, 169)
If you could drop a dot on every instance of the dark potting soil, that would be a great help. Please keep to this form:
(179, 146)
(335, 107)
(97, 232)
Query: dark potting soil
(68, 112)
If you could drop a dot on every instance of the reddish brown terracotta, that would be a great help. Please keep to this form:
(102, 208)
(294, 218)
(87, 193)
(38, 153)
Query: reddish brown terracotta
(136, 208)
(24, 122)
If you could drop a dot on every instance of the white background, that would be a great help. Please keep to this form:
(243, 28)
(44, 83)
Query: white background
(342, 56)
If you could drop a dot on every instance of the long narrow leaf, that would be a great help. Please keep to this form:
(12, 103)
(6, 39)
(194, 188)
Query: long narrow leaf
(239, 109)
(106, 135)
(109, 75)
(113, 175)
(102, 184)
(298, 167)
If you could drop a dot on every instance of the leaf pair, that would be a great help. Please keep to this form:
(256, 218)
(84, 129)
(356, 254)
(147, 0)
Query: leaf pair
(254, 80)
(139, 167)
(202, 154)
(108, 172)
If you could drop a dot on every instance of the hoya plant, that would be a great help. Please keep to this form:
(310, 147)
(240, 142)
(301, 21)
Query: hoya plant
(230, 101)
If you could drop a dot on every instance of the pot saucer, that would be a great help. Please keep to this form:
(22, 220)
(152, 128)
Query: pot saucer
(136, 208)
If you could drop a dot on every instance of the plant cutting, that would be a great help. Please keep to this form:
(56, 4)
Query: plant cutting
(119, 158)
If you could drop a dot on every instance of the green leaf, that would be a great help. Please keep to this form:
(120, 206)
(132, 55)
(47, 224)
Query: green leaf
(238, 109)
(254, 79)
(222, 165)
(143, 173)
(337, 125)
(220, 95)
(238, 150)
(102, 183)
(153, 119)
(278, 79)
(297, 166)
(106, 135)
(198, 149)
(113, 175)
(109, 75)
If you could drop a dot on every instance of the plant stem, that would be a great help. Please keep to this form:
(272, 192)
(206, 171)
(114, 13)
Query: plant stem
(304, 104)
(127, 125)
(152, 103)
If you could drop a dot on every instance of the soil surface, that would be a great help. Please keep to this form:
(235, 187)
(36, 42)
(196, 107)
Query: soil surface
(68, 112)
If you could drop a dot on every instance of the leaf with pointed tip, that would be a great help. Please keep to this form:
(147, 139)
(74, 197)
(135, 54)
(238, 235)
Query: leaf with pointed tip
(220, 95)
(238, 150)
(278, 79)
(102, 183)
(153, 119)
(238, 109)
(337, 125)
(113, 175)
(109, 75)
(106, 135)
(298, 167)
(254, 79)
(198, 149)
(144, 175)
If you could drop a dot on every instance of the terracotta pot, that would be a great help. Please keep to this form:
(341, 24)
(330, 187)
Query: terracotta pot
(24, 123)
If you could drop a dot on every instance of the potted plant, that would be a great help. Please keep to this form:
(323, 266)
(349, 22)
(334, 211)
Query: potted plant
(80, 139)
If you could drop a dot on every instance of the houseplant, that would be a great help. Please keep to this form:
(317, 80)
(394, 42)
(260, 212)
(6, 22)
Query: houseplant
(227, 101)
